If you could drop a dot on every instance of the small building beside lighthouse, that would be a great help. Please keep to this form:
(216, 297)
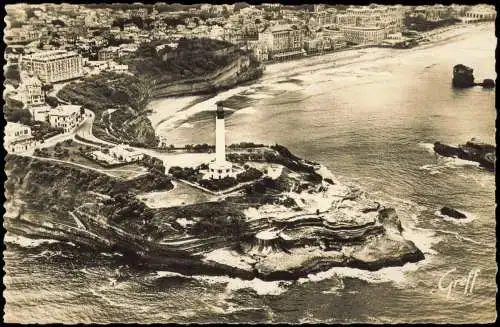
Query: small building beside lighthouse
(220, 168)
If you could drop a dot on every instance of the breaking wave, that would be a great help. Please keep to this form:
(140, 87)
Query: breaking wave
(28, 242)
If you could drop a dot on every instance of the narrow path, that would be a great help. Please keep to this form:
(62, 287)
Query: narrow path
(71, 163)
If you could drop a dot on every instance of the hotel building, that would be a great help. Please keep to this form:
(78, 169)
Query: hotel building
(283, 40)
(53, 66)
(364, 35)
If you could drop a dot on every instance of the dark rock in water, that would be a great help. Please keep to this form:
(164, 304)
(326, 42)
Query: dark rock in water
(446, 150)
(450, 212)
(488, 83)
(329, 181)
(463, 76)
(473, 150)
(389, 218)
(488, 161)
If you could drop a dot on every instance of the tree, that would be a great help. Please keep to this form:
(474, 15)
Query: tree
(58, 22)
(12, 73)
(47, 88)
(52, 101)
(240, 5)
(22, 116)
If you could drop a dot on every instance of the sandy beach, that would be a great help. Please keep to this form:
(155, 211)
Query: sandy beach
(170, 113)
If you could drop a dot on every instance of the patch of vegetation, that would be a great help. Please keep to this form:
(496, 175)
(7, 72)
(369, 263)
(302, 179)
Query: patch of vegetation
(128, 95)
(200, 148)
(249, 174)
(213, 219)
(14, 112)
(186, 173)
(12, 75)
(245, 145)
(153, 164)
(218, 184)
(76, 180)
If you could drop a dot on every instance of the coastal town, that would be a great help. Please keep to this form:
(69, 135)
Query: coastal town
(49, 46)
(93, 162)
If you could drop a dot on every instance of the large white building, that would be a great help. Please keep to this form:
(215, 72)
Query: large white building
(53, 66)
(40, 113)
(282, 38)
(364, 35)
(18, 138)
(123, 153)
(481, 13)
(67, 117)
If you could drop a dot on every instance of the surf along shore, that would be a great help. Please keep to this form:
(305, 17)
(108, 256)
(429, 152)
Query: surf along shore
(171, 112)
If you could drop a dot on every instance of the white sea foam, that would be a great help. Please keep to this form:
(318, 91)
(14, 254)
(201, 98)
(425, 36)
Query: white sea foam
(423, 239)
(384, 275)
(433, 169)
(459, 237)
(428, 146)
(458, 163)
(233, 284)
(166, 274)
(27, 242)
(187, 125)
(246, 111)
(178, 116)
(259, 286)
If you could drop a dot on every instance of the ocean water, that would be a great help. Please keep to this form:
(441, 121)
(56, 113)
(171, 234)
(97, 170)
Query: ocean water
(372, 122)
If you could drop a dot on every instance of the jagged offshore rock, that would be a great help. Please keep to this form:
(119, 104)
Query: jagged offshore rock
(463, 76)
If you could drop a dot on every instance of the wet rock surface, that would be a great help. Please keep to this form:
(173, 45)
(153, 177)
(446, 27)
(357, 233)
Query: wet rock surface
(453, 213)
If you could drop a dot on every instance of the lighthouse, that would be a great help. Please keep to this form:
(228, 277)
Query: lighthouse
(220, 135)
(220, 168)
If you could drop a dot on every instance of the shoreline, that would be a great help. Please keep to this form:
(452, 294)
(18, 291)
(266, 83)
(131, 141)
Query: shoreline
(171, 112)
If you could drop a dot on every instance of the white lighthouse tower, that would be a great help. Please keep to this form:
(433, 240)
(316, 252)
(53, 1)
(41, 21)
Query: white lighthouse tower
(220, 168)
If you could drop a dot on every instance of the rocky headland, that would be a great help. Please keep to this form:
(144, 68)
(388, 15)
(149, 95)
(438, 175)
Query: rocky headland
(295, 219)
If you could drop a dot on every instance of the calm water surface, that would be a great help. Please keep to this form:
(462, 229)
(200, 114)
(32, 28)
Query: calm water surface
(372, 123)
